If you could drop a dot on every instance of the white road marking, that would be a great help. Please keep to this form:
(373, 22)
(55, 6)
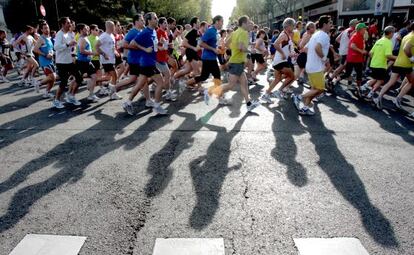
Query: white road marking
(329, 246)
(190, 246)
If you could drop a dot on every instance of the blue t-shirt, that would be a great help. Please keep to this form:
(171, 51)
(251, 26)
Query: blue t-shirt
(210, 38)
(133, 55)
(83, 57)
(46, 49)
(147, 38)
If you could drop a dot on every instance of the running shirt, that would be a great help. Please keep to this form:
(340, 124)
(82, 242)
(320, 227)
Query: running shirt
(192, 37)
(93, 40)
(381, 49)
(296, 37)
(237, 37)
(286, 48)
(344, 42)
(162, 36)
(30, 45)
(261, 46)
(108, 47)
(402, 59)
(5, 47)
(210, 38)
(63, 51)
(46, 49)
(84, 57)
(147, 38)
(134, 56)
(356, 56)
(119, 38)
(314, 63)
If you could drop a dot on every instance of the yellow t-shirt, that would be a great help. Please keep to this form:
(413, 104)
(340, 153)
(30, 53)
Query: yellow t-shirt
(296, 37)
(402, 59)
(238, 36)
(381, 49)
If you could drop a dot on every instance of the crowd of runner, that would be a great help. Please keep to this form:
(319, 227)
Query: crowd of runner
(161, 59)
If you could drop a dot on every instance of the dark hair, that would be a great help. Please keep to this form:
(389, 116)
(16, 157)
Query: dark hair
(2, 32)
(179, 27)
(136, 18)
(373, 21)
(217, 19)
(298, 23)
(261, 31)
(242, 20)
(412, 26)
(80, 27)
(324, 19)
(27, 28)
(170, 20)
(222, 32)
(148, 16)
(193, 21)
(129, 26)
(276, 31)
(42, 25)
(162, 20)
(203, 23)
(256, 27)
(93, 27)
(62, 21)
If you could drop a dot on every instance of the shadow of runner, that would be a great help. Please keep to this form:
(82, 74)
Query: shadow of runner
(345, 179)
(208, 173)
(159, 164)
(284, 127)
(70, 158)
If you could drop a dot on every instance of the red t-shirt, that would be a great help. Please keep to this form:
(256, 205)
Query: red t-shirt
(373, 30)
(162, 55)
(355, 56)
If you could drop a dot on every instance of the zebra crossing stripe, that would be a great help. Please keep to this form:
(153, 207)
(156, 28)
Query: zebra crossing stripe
(189, 246)
(49, 245)
(329, 246)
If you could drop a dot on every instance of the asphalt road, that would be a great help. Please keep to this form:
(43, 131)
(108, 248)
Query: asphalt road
(258, 180)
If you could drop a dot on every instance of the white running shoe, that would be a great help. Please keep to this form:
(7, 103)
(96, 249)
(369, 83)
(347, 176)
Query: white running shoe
(93, 98)
(159, 110)
(266, 98)
(57, 104)
(150, 103)
(115, 96)
(36, 84)
(253, 105)
(397, 103)
(47, 95)
(128, 108)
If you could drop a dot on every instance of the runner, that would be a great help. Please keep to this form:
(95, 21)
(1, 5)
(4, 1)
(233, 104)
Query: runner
(148, 41)
(106, 48)
(356, 56)
(209, 57)
(402, 66)
(318, 49)
(44, 48)
(5, 57)
(260, 54)
(302, 57)
(84, 60)
(239, 46)
(380, 53)
(162, 57)
(190, 43)
(64, 64)
(28, 40)
(281, 63)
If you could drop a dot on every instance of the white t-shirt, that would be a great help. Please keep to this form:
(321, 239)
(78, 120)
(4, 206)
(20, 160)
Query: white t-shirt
(63, 52)
(287, 47)
(314, 63)
(107, 46)
(344, 42)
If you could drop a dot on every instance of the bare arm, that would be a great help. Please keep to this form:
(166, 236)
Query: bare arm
(407, 49)
(37, 46)
(82, 45)
(319, 51)
(281, 38)
(208, 47)
(355, 48)
(188, 46)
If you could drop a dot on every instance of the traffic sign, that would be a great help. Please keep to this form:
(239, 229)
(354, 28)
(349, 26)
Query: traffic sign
(42, 10)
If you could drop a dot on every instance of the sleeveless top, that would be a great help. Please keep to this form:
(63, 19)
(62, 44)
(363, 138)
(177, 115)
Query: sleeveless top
(46, 48)
(286, 48)
(83, 57)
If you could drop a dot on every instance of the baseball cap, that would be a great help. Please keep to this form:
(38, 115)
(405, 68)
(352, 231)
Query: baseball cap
(353, 22)
(361, 26)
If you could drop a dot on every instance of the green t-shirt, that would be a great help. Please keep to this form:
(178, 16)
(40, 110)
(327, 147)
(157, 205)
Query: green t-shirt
(93, 40)
(402, 59)
(238, 36)
(382, 48)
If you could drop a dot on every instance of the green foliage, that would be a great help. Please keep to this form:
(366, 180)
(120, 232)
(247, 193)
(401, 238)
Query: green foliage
(21, 12)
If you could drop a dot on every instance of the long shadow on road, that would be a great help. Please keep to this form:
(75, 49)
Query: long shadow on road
(209, 172)
(345, 179)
